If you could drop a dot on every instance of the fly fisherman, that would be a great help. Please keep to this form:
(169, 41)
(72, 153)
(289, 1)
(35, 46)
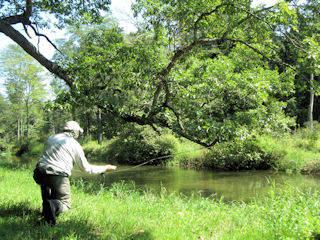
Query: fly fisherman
(53, 170)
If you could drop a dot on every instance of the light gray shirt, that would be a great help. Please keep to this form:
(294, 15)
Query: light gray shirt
(61, 152)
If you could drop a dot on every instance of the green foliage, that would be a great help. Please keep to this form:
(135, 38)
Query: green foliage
(188, 155)
(168, 76)
(98, 152)
(36, 149)
(136, 145)
(3, 146)
(26, 148)
(65, 12)
(24, 84)
(237, 155)
(224, 101)
(294, 153)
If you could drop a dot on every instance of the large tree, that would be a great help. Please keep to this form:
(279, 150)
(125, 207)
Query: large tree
(300, 45)
(139, 83)
(213, 93)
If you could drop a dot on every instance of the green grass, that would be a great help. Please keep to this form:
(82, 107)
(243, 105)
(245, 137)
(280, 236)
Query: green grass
(188, 154)
(294, 153)
(124, 212)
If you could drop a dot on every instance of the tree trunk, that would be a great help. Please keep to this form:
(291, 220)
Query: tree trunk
(21, 128)
(311, 102)
(99, 127)
(18, 132)
(28, 118)
(88, 125)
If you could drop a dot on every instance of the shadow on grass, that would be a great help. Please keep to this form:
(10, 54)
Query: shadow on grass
(18, 210)
(22, 222)
(139, 236)
(8, 165)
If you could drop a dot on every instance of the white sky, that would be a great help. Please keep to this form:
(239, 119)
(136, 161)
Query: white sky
(121, 11)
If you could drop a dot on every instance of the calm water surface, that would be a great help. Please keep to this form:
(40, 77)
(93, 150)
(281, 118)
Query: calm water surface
(241, 186)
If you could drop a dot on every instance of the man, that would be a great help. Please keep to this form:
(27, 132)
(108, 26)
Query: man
(53, 170)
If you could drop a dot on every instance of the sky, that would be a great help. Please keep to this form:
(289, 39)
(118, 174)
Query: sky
(120, 10)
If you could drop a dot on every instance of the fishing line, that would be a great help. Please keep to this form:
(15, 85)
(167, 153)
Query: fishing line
(153, 159)
(146, 162)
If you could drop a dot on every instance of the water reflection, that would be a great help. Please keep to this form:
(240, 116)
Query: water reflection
(241, 186)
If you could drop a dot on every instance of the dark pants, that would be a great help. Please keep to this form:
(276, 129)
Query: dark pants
(54, 187)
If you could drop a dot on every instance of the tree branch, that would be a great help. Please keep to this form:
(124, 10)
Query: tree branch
(258, 51)
(204, 15)
(32, 50)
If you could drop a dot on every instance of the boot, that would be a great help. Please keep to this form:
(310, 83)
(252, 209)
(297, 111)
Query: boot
(50, 209)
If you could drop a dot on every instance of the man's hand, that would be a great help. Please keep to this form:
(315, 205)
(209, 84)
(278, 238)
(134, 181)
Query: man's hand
(110, 168)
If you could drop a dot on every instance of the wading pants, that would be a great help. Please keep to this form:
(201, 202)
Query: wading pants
(54, 187)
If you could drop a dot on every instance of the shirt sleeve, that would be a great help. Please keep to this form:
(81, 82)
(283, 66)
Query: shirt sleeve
(82, 162)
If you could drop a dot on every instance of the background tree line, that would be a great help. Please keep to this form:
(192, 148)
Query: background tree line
(209, 71)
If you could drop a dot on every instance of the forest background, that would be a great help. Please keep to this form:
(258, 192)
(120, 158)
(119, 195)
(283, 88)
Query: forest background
(230, 77)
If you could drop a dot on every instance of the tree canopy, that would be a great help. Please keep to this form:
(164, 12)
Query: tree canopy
(207, 70)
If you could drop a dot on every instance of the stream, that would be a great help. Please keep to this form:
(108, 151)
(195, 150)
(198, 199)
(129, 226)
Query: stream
(239, 186)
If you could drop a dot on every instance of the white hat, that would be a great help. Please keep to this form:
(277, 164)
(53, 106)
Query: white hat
(72, 126)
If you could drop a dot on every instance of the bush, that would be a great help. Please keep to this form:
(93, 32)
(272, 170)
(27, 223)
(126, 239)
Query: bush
(189, 155)
(21, 148)
(136, 145)
(98, 152)
(36, 149)
(237, 155)
(3, 146)
(27, 148)
(298, 152)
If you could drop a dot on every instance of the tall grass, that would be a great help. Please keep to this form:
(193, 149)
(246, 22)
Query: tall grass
(124, 212)
(188, 154)
(298, 152)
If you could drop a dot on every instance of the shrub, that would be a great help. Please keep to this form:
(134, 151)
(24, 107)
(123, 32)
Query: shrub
(36, 149)
(3, 146)
(98, 152)
(237, 155)
(27, 148)
(298, 152)
(189, 155)
(136, 145)
(21, 148)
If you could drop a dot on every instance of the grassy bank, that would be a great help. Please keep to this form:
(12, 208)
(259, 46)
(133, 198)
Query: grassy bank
(123, 212)
(297, 152)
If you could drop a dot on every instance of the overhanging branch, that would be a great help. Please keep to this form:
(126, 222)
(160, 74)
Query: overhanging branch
(18, 38)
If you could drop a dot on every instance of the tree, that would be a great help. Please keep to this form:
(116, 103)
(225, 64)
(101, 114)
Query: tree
(35, 15)
(24, 85)
(300, 41)
(4, 106)
(139, 80)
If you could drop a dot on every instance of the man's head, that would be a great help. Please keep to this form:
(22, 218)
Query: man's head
(73, 127)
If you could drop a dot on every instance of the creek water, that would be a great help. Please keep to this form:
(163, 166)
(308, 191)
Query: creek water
(239, 186)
